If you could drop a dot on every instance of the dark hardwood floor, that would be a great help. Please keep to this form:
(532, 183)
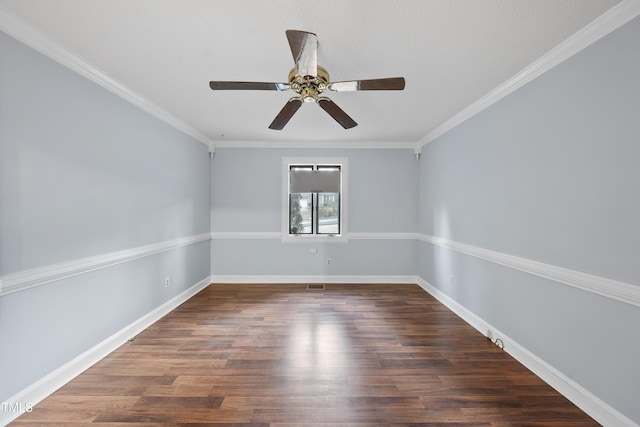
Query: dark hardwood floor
(281, 355)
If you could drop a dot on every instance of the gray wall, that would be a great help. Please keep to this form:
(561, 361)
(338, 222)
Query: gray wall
(84, 173)
(551, 174)
(245, 195)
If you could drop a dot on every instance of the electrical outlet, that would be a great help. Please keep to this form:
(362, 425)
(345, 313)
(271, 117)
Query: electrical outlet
(328, 261)
(451, 280)
(167, 282)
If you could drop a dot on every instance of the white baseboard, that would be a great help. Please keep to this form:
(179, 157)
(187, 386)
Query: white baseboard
(42, 388)
(582, 398)
(312, 279)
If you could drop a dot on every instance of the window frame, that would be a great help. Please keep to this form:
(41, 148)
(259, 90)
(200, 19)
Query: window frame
(315, 237)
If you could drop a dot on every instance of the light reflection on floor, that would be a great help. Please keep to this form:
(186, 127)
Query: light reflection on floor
(318, 344)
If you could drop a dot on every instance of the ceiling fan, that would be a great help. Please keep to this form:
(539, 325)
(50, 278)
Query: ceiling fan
(309, 80)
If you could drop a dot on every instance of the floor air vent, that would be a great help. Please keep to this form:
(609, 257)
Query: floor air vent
(315, 286)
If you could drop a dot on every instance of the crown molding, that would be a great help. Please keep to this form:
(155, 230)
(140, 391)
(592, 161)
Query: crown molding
(398, 145)
(49, 47)
(606, 23)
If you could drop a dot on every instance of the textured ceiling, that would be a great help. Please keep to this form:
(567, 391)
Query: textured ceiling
(451, 52)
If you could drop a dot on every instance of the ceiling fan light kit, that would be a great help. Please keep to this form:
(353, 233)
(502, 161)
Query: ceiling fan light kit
(309, 80)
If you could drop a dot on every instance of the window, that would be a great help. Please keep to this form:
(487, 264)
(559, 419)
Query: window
(314, 198)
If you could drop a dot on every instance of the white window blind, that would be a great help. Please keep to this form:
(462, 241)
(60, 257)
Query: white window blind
(314, 181)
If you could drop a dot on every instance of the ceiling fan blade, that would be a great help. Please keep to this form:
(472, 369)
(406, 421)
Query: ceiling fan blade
(392, 83)
(285, 114)
(248, 86)
(304, 48)
(337, 113)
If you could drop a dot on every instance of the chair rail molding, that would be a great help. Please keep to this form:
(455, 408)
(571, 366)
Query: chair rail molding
(276, 235)
(620, 291)
(42, 275)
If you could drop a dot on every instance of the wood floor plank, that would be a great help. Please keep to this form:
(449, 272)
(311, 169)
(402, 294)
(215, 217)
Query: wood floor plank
(282, 356)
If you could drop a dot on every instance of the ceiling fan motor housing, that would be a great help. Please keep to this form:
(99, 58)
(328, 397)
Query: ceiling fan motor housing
(309, 87)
